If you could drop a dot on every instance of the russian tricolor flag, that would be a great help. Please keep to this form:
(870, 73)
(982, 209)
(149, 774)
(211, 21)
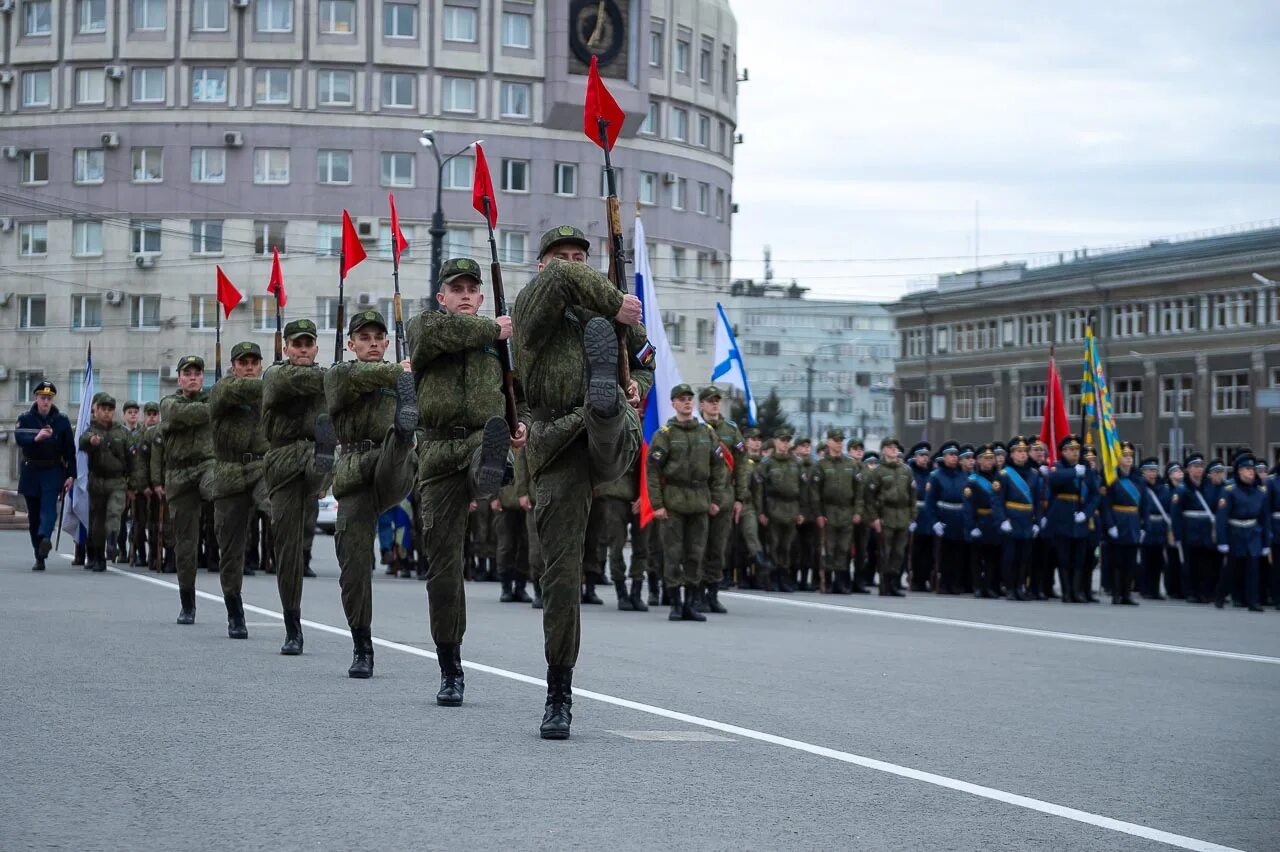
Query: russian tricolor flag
(657, 408)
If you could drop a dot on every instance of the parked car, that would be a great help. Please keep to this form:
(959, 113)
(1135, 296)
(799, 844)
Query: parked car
(328, 518)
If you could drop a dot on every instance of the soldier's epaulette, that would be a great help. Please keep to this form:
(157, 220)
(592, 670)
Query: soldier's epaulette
(731, 423)
(1230, 488)
(665, 429)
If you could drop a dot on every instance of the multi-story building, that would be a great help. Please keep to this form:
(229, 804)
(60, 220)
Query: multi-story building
(830, 362)
(143, 142)
(1189, 332)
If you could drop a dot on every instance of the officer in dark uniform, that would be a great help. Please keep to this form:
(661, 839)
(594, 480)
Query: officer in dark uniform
(944, 501)
(1174, 558)
(1273, 507)
(48, 466)
(1021, 526)
(1073, 491)
(1122, 518)
(1156, 529)
(1193, 526)
(984, 519)
(1243, 530)
(921, 528)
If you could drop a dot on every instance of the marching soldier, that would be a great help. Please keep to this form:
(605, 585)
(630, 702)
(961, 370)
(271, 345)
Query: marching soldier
(805, 556)
(861, 530)
(620, 502)
(834, 482)
(782, 485)
(887, 501)
(734, 495)
(944, 500)
(187, 438)
(106, 443)
(1043, 560)
(1244, 532)
(1122, 517)
(1173, 557)
(750, 525)
(1157, 530)
(166, 553)
(1021, 486)
(140, 485)
(1074, 491)
(583, 431)
(984, 518)
(48, 466)
(512, 530)
(234, 482)
(921, 527)
(1273, 506)
(463, 455)
(130, 416)
(374, 411)
(1193, 525)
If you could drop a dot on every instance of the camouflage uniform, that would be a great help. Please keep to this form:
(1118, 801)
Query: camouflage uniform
(108, 467)
(806, 555)
(888, 494)
(166, 559)
(512, 531)
(782, 485)
(737, 489)
(835, 490)
(616, 499)
(138, 483)
(523, 488)
(188, 449)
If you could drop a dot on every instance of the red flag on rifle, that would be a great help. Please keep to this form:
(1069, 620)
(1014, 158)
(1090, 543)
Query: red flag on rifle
(600, 104)
(1053, 424)
(228, 295)
(482, 186)
(352, 250)
(398, 242)
(276, 285)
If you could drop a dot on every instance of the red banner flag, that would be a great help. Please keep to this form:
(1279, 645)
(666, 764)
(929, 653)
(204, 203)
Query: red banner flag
(482, 186)
(398, 242)
(600, 104)
(276, 285)
(228, 295)
(1053, 425)
(352, 250)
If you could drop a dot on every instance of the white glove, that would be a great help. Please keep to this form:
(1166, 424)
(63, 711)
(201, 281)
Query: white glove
(1079, 517)
(1224, 548)
(911, 527)
(1035, 530)
(1044, 522)
(1044, 470)
(1080, 470)
(1142, 536)
(939, 528)
(976, 534)
(1005, 526)
(1114, 532)
(1266, 551)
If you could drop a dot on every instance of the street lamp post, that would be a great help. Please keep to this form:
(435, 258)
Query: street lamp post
(428, 140)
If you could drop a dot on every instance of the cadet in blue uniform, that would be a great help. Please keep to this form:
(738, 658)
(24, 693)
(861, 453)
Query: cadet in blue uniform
(1244, 532)
(922, 527)
(1073, 491)
(944, 501)
(48, 466)
(1194, 528)
(984, 519)
(1155, 529)
(1122, 518)
(1043, 561)
(1174, 563)
(1021, 526)
(1273, 507)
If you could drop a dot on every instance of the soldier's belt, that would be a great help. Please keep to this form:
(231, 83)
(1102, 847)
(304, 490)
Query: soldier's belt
(984, 511)
(361, 447)
(1243, 523)
(451, 434)
(1125, 510)
(42, 462)
(1195, 513)
(955, 507)
(1070, 498)
(545, 414)
(1155, 517)
(1021, 507)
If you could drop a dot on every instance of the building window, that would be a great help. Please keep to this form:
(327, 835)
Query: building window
(37, 18)
(333, 167)
(271, 166)
(566, 179)
(1179, 315)
(90, 165)
(209, 86)
(674, 325)
(984, 400)
(1126, 398)
(720, 204)
(457, 242)
(337, 17)
(327, 310)
(75, 382)
(144, 384)
(35, 88)
(33, 239)
(328, 239)
(145, 236)
(204, 313)
(86, 239)
(913, 343)
(384, 241)
(1033, 396)
(149, 15)
(271, 86)
(704, 198)
(1128, 320)
(397, 169)
(517, 30)
(31, 312)
(35, 167)
(209, 16)
(459, 24)
(208, 165)
(273, 16)
(1232, 310)
(514, 247)
(336, 88)
(264, 313)
(1037, 329)
(680, 125)
(704, 131)
(1073, 324)
(651, 122)
(1231, 393)
(677, 261)
(515, 175)
(144, 311)
(459, 94)
(655, 49)
(702, 334)
(399, 20)
(679, 193)
(962, 404)
(148, 85)
(515, 100)
(206, 236)
(648, 188)
(1177, 394)
(148, 165)
(268, 236)
(704, 62)
(397, 90)
(91, 16)
(1074, 405)
(90, 86)
(724, 71)
(915, 406)
(86, 312)
(457, 172)
(682, 56)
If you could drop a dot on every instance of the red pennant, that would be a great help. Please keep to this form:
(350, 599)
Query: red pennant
(600, 104)
(352, 250)
(1054, 425)
(482, 186)
(398, 242)
(228, 295)
(276, 285)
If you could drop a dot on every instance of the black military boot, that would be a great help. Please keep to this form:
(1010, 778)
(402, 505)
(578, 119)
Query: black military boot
(653, 589)
(236, 628)
(624, 599)
(451, 678)
(79, 558)
(111, 551)
(518, 593)
(362, 656)
(558, 715)
(784, 582)
(712, 597)
(406, 419)
(44, 548)
(326, 444)
(600, 345)
(804, 585)
(677, 606)
(169, 565)
(589, 595)
(39, 566)
(537, 595)
(495, 444)
(699, 592)
(292, 646)
(637, 599)
(99, 562)
(506, 596)
(689, 612)
(188, 599)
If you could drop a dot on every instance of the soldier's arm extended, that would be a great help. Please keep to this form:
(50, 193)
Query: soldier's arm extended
(156, 466)
(719, 470)
(86, 442)
(997, 501)
(762, 486)
(557, 287)
(346, 382)
(283, 382)
(869, 496)
(234, 392)
(1096, 491)
(436, 333)
(642, 358)
(658, 451)
(177, 415)
(741, 477)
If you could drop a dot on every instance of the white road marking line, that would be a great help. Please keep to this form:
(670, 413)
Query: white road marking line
(672, 736)
(992, 793)
(1009, 628)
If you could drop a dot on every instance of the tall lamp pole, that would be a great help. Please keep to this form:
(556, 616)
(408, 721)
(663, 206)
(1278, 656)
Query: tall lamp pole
(428, 140)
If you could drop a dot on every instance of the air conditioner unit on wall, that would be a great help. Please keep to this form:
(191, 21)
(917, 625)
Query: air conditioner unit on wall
(169, 373)
(233, 139)
(367, 300)
(114, 297)
(670, 177)
(6, 224)
(6, 78)
(6, 5)
(11, 152)
(366, 228)
(114, 72)
(240, 4)
(145, 261)
(111, 140)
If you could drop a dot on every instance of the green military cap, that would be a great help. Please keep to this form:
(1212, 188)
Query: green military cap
(754, 432)
(563, 234)
(245, 348)
(151, 408)
(786, 433)
(363, 318)
(457, 267)
(835, 434)
(709, 392)
(891, 442)
(855, 444)
(190, 361)
(105, 399)
(681, 389)
(299, 328)
(132, 403)
(803, 439)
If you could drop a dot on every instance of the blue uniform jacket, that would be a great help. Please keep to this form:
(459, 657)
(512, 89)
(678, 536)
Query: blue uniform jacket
(1070, 493)
(984, 507)
(1022, 493)
(1155, 499)
(51, 459)
(1193, 523)
(1242, 519)
(1122, 509)
(1273, 506)
(924, 517)
(944, 500)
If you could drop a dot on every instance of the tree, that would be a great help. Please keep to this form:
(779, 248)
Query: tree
(769, 416)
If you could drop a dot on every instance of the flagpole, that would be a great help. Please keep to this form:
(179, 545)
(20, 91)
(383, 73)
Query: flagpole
(342, 307)
(217, 342)
(500, 309)
(279, 333)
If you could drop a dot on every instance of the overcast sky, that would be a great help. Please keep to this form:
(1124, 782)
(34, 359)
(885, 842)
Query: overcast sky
(871, 128)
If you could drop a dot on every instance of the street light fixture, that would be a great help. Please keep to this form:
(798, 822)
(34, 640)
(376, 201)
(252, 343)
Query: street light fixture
(428, 140)
(1262, 279)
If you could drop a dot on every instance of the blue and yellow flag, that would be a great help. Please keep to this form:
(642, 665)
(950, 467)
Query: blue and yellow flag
(1096, 400)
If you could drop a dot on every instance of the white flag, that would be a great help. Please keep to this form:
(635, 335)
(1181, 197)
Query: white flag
(75, 509)
(727, 367)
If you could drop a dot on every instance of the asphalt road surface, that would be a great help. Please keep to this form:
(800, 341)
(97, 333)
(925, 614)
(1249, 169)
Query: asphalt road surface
(795, 722)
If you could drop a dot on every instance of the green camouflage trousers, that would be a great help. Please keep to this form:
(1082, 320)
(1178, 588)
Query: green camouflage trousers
(185, 511)
(836, 546)
(719, 529)
(231, 518)
(536, 564)
(893, 552)
(684, 540)
(619, 519)
(781, 533)
(106, 509)
(513, 544)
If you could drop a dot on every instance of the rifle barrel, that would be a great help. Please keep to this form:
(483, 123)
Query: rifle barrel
(500, 309)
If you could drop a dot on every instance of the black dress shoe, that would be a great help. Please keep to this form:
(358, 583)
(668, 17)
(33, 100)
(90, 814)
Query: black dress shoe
(451, 677)
(39, 566)
(558, 715)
